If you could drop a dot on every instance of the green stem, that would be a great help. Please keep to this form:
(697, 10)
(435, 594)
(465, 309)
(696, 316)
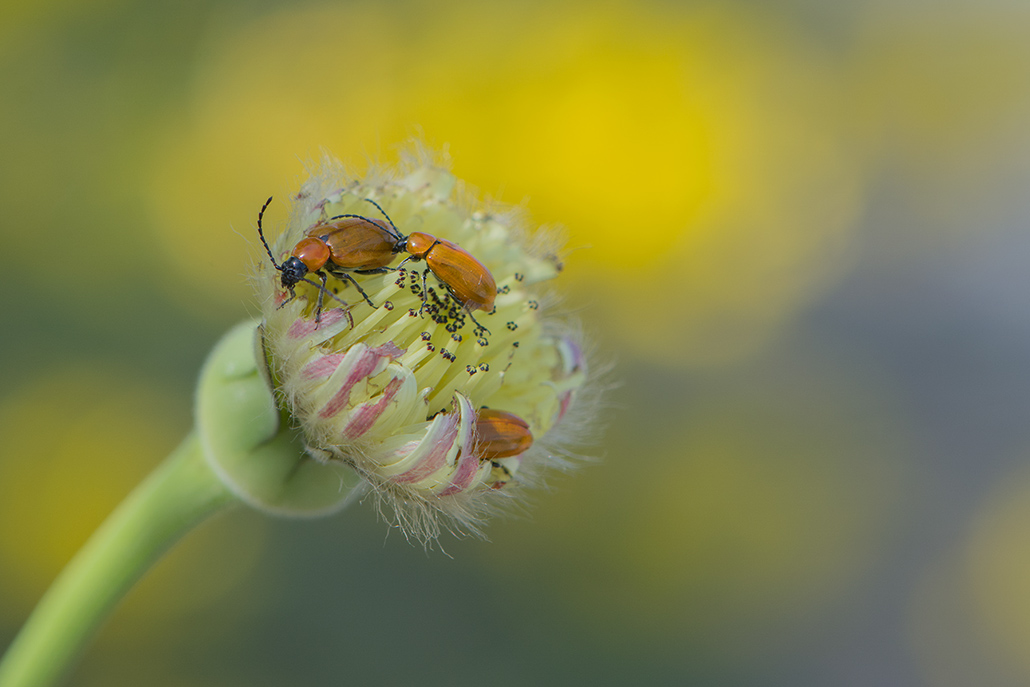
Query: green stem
(243, 449)
(175, 497)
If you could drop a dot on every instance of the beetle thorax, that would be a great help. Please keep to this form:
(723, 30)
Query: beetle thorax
(419, 244)
(313, 252)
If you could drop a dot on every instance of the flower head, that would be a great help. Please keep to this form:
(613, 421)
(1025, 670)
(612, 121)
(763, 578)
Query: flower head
(407, 336)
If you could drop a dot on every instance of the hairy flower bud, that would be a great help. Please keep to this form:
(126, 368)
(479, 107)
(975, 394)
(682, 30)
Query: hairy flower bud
(387, 351)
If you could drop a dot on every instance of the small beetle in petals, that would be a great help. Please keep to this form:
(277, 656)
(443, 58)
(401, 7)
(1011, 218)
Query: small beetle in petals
(500, 434)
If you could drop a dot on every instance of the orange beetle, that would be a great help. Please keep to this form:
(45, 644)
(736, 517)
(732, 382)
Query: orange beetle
(339, 245)
(500, 434)
(467, 279)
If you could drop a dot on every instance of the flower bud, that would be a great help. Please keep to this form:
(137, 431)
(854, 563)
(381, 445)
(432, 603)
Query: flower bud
(387, 369)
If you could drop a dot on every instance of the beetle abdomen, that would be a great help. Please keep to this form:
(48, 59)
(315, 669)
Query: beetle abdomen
(467, 279)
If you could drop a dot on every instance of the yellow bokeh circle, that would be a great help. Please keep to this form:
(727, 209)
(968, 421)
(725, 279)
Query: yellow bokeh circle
(696, 158)
(73, 444)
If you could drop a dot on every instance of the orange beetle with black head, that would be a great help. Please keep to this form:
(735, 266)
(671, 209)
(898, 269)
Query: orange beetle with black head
(342, 244)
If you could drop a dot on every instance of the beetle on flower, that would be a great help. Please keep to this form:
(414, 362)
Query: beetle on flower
(442, 414)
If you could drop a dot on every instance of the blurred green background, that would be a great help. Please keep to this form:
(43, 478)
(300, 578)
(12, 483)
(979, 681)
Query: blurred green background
(800, 228)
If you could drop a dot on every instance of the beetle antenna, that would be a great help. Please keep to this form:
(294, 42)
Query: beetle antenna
(370, 221)
(261, 233)
(375, 222)
(396, 230)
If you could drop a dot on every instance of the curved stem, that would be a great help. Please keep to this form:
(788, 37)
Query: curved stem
(175, 497)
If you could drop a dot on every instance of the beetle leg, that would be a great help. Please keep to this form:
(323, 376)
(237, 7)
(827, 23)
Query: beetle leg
(293, 294)
(478, 326)
(321, 295)
(425, 292)
(352, 280)
(323, 291)
(378, 270)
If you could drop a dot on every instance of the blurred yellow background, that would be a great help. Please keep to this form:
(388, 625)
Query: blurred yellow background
(799, 227)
